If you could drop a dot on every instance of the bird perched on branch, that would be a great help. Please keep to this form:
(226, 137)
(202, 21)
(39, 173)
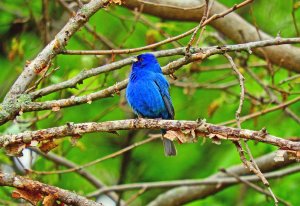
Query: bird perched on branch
(148, 93)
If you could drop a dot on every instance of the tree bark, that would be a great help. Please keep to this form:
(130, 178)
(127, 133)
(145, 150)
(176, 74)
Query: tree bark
(233, 26)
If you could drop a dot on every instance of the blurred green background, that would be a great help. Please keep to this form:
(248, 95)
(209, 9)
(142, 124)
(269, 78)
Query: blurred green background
(21, 41)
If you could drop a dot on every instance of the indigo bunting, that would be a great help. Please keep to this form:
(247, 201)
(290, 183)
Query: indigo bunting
(148, 94)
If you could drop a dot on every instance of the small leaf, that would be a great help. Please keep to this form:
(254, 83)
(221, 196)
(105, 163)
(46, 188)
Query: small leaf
(216, 138)
(48, 146)
(49, 200)
(32, 197)
(74, 139)
(15, 149)
(171, 135)
(187, 135)
(151, 36)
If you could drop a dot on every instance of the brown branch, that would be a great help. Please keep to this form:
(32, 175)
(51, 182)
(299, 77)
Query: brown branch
(179, 51)
(252, 166)
(55, 46)
(242, 86)
(222, 67)
(89, 27)
(231, 26)
(185, 194)
(199, 128)
(212, 181)
(168, 69)
(273, 97)
(85, 174)
(255, 187)
(10, 109)
(196, 85)
(294, 18)
(263, 112)
(38, 188)
(112, 155)
(187, 50)
(43, 59)
(45, 21)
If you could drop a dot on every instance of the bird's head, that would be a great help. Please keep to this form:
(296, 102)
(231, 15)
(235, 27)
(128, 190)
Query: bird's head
(147, 62)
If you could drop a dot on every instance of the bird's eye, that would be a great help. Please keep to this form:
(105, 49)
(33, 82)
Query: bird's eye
(140, 59)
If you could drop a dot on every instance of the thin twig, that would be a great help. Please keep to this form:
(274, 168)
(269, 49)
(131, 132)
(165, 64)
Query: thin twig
(242, 92)
(253, 186)
(85, 174)
(263, 112)
(136, 195)
(115, 154)
(217, 180)
(204, 17)
(252, 164)
(294, 17)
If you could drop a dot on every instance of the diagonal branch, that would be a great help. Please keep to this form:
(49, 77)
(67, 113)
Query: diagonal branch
(35, 187)
(231, 26)
(55, 46)
(185, 194)
(43, 59)
(85, 174)
(11, 108)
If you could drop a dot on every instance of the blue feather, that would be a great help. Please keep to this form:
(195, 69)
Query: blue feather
(148, 93)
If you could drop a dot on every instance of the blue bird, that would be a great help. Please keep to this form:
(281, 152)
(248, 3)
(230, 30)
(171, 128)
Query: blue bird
(148, 93)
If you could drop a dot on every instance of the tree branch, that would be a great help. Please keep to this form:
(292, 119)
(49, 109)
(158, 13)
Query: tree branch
(192, 127)
(85, 174)
(55, 46)
(231, 26)
(193, 182)
(185, 194)
(37, 188)
(43, 59)
(12, 107)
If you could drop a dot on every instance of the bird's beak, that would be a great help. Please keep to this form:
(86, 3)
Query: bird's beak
(135, 59)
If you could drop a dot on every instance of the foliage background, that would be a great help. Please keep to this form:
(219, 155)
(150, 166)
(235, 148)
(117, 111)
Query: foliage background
(147, 163)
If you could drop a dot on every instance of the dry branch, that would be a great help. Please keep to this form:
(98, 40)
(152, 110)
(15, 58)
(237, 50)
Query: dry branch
(85, 174)
(185, 194)
(11, 108)
(55, 46)
(198, 54)
(193, 182)
(193, 127)
(233, 26)
(43, 59)
(40, 189)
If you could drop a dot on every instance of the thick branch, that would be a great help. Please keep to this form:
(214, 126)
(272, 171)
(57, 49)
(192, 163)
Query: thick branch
(185, 194)
(194, 127)
(12, 107)
(43, 60)
(35, 187)
(193, 182)
(55, 46)
(85, 174)
(198, 54)
(232, 26)
(168, 69)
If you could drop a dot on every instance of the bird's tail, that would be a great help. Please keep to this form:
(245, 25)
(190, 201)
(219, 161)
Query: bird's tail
(169, 147)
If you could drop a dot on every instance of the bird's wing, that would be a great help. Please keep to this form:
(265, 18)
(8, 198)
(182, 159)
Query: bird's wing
(163, 87)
